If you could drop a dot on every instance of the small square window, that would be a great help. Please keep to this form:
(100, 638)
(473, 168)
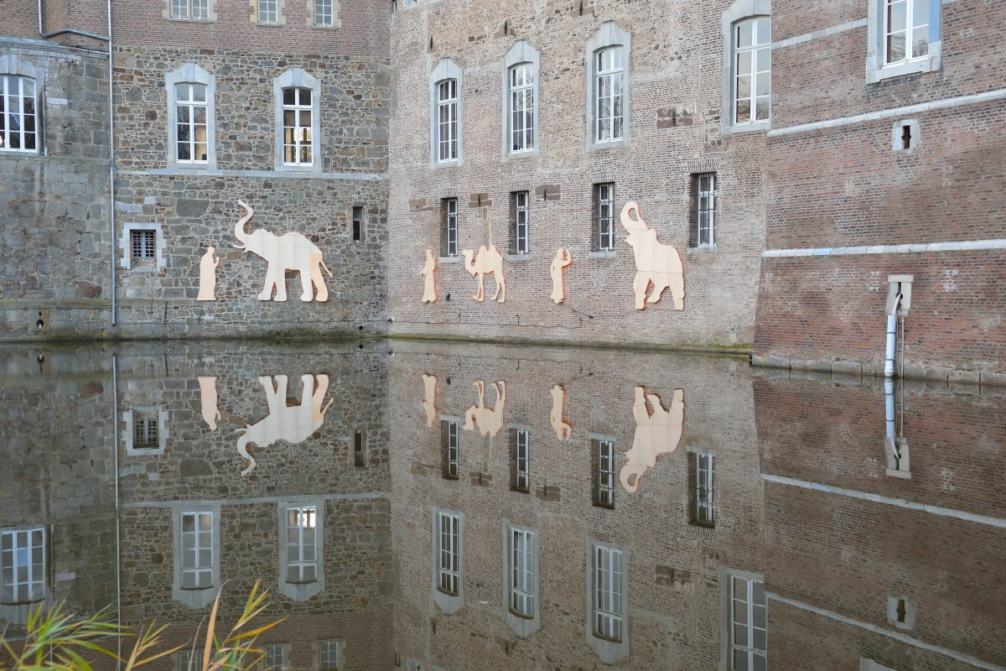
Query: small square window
(143, 245)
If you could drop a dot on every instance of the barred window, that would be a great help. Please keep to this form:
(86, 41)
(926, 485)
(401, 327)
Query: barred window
(609, 607)
(302, 544)
(449, 226)
(22, 565)
(609, 94)
(191, 123)
(197, 550)
(197, 10)
(268, 11)
(18, 114)
(522, 107)
(523, 581)
(447, 120)
(519, 217)
(448, 553)
(752, 70)
(323, 15)
(145, 433)
(603, 452)
(604, 217)
(143, 245)
(297, 126)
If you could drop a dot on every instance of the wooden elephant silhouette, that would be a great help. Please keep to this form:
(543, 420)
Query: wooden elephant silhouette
(489, 422)
(488, 261)
(294, 423)
(291, 251)
(657, 433)
(656, 263)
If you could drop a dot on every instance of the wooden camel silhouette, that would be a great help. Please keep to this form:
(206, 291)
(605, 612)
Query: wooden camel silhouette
(489, 422)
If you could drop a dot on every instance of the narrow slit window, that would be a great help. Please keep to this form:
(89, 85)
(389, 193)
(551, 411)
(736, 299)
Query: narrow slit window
(357, 223)
(359, 450)
(18, 114)
(449, 460)
(703, 215)
(604, 472)
(702, 483)
(519, 214)
(604, 217)
(520, 460)
(449, 224)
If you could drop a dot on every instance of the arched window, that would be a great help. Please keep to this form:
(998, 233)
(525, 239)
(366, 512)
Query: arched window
(608, 87)
(18, 114)
(298, 108)
(520, 99)
(191, 131)
(446, 113)
(752, 70)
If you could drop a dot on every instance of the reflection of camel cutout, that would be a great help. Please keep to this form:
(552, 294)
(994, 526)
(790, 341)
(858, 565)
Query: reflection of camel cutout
(562, 260)
(430, 398)
(489, 421)
(657, 433)
(487, 262)
(655, 262)
(294, 423)
(208, 275)
(429, 273)
(208, 400)
(563, 429)
(291, 251)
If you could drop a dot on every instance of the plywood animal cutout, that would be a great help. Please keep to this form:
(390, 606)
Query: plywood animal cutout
(488, 261)
(208, 400)
(563, 429)
(563, 259)
(430, 399)
(208, 275)
(657, 432)
(294, 423)
(429, 275)
(656, 263)
(290, 251)
(488, 421)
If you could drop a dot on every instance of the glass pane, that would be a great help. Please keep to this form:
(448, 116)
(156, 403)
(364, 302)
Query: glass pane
(758, 593)
(289, 119)
(305, 96)
(6, 542)
(895, 47)
(188, 580)
(759, 616)
(763, 82)
(199, 114)
(920, 13)
(761, 109)
(764, 29)
(896, 16)
(188, 523)
(289, 96)
(744, 63)
(759, 663)
(740, 661)
(305, 118)
(204, 523)
(183, 114)
(743, 87)
(763, 60)
(744, 34)
(309, 575)
(204, 558)
(759, 639)
(740, 635)
(920, 44)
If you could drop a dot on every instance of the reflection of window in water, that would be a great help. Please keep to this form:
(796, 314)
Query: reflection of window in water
(519, 453)
(748, 613)
(448, 552)
(449, 449)
(197, 550)
(22, 565)
(702, 481)
(604, 472)
(302, 544)
(522, 578)
(609, 609)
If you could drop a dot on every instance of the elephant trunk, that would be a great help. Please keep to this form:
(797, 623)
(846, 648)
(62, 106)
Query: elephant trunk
(239, 228)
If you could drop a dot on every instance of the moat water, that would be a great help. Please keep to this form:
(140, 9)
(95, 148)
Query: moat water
(424, 505)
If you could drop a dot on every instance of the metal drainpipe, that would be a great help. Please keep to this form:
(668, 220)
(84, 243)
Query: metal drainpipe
(892, 336)
(71, 31)
(111, 164)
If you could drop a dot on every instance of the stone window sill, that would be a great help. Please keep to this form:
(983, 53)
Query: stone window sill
(450, 259)
(518, 258)
(603, 254)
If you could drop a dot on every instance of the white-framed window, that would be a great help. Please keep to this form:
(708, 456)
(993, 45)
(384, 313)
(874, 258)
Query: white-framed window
(448, 553)
(522, 112)
(604, 217)
(906, 30)
(267, 11)
(324, 13)
(608, 607)
(197, 550)
(449, 227)
(520, 217)
(329, 655)
(302, 544)
(22, 565)
(702, 485)
(604, 472)
(447, 120)
(703, 213)
(748, 624)
(275, 657)
(411, 3)
(18, 114)
(520, 460)
(609, 94)
(752, 92)
(904, 37)
(297, 126)
(191, 123)
(450, 464)
(195, 10)
(523, 578)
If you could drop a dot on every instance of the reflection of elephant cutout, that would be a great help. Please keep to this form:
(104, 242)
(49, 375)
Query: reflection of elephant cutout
(657, 433)
(208, 400)
(562, 428)
(294, 423)
(489, 421)
(430, 398)
(291, 251)
(656, 263)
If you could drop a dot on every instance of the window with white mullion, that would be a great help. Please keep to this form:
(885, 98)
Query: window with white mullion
(520, 222)
(604, 474)
(302, 544)
(522, 568)
(297, 125)
(447, 120)
(604, 216)
(18, 114)
(449, 209)
(609, 95)
(449, 560)
(706, 209)
(748, 624)
(197, 550)
(191, 123)
(268, 11)
(190, 9)
(752, 70)
(22, 565)
(323, 15)
(521, 453)
(608, 605)
(705, 492)
(451, 460)
(906, 30)
(522, 106)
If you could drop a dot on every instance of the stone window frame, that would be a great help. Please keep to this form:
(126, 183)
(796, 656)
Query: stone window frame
(608, 650)
(876, 69)
(191, 73)
(726, 576)
(194, 598)
(125, 252)
(522, 626)
(127, 431)
(15, 64)
(280, 16)
(211, 13)
(522, 52)
(284, 648)
(610, 34)
(739, 11)
(447, 69)
(296, 77)
(336, 21)
(448, 603)
(302, 591)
